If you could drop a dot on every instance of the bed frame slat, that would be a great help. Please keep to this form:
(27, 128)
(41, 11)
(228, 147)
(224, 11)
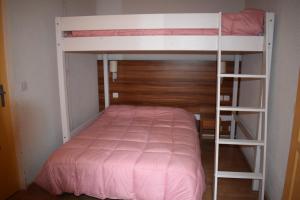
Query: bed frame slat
(141, 21)
(163, 43)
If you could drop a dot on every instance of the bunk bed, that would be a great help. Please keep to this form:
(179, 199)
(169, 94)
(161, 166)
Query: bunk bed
(172, 170)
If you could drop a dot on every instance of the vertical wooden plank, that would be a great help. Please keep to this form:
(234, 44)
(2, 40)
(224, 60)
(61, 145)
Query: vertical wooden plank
(9, 176)
(292, 180)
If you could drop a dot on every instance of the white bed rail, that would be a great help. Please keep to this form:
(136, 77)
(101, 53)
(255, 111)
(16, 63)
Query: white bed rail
(152, 43)
(163, 43)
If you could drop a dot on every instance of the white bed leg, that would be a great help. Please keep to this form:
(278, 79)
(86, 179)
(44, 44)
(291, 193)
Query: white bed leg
(106, 80)
(237, 59)
(65, 121)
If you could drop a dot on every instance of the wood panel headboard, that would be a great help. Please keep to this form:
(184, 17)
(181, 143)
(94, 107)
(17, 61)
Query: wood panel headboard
(186, 84)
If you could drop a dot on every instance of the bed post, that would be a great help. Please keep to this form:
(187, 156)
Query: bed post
(106, 80)
(62, 83)
(237, 59)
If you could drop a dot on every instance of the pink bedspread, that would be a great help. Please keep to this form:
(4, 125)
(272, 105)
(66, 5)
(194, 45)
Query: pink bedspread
(144, 153)
(246, 22)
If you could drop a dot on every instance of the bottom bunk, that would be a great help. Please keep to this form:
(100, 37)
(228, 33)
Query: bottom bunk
(130, 152)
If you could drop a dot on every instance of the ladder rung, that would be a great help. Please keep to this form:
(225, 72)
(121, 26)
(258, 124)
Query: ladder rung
(245, 109)
(241, 142)
(242, 76)
(241, 175)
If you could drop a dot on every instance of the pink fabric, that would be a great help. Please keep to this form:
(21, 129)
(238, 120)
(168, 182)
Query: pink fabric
(246, 22)
(130, 152)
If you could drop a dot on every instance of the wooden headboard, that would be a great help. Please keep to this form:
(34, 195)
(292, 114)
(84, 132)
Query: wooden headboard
(187, 84)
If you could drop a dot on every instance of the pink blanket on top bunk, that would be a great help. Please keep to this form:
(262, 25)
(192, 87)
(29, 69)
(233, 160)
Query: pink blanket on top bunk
(130, 152)
(246, 22)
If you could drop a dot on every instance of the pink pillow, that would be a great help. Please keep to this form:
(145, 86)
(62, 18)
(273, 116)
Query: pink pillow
(247, 22)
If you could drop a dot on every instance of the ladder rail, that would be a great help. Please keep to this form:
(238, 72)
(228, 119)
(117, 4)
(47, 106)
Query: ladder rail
(269, 30)
(261, 138)
(215, 192)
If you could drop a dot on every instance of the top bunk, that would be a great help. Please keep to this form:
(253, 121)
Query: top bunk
(244, 31)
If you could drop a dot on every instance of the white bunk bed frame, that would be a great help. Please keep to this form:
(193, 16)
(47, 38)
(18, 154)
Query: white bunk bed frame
(213, 43)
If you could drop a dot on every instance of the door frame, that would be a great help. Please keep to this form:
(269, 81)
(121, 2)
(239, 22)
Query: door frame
(9, 98)
(289, 177)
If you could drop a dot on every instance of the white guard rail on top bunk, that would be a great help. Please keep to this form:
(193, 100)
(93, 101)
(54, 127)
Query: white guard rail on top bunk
(177, 43)
(154, 43)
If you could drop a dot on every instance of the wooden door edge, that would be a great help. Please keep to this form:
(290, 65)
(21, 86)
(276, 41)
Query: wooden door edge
(293, 146)
(20, 169)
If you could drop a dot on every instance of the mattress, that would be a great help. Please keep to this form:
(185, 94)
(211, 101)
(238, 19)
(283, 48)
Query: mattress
(130, 152)
(246, 23)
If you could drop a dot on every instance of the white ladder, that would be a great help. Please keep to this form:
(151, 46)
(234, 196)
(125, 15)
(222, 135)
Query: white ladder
(258, 174)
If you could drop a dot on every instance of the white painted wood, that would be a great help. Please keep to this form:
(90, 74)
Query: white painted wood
(241, 142)
(269, 31)
(197, 116)
(141, 21)
(106, 80)
(141, 43)
(217, 129)
(254, 76)
(237, 59)
(241, 109)
(163, 43)
(257, 161)
(243, 43)
(240, 175)
(173, 56)
(65, 121)
(226, 117)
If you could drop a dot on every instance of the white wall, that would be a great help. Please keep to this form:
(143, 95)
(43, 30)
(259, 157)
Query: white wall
(32, 62)
(79, 7)
(33, 79)
(167, 6)
(105, 7)
(283, 85)
(82, 88)
(82, 76)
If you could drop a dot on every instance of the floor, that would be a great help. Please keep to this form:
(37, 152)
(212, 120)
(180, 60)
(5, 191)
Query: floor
(231, 158)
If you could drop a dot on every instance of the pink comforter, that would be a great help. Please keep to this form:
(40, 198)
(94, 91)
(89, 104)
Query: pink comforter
(246, 22)
(144, 153)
